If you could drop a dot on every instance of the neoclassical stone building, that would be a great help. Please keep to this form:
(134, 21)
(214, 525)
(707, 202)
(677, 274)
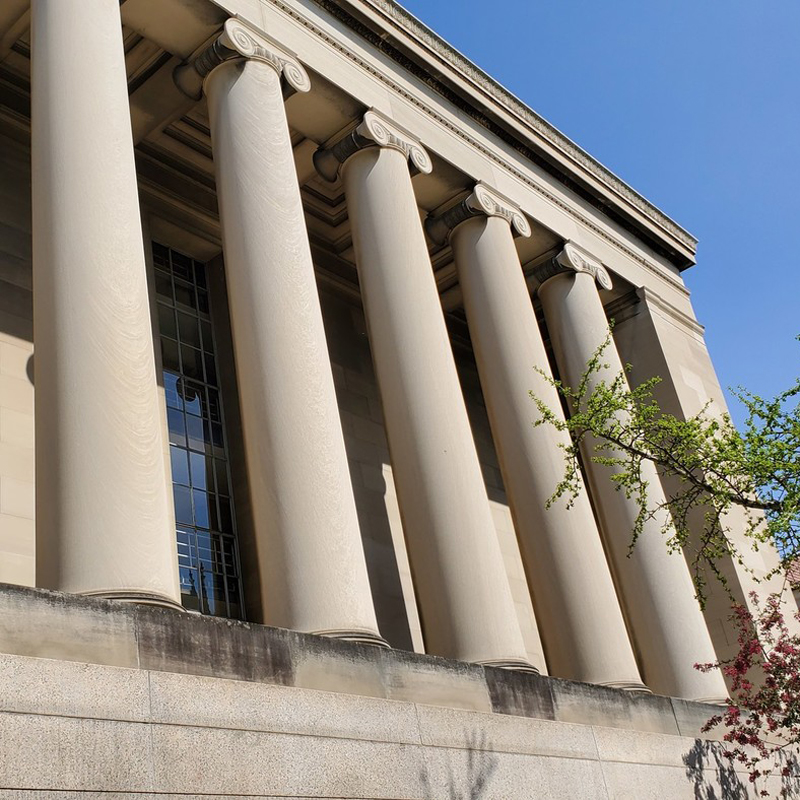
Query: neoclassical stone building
(283, 274)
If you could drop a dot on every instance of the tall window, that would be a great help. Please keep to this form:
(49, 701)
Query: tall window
(205, 525)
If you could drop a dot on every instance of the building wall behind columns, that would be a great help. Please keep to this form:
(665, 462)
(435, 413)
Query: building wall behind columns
(16, 367)
(376, 502)
(659, 341)
(501, 512)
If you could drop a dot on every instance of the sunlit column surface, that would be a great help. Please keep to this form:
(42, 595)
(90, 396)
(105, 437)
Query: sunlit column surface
(311, 559)
(104, 514)
(665, 618)
(577, 609)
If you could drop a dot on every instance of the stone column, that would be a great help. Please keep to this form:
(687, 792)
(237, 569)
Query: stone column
(465, 599)
(103, 512)
(311, 559)
(665, 618)
(577, 609)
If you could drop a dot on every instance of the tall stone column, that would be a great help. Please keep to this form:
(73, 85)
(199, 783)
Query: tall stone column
(465, 599)
(666, 621)
(577, 609)
(103, 513)
(311, 559)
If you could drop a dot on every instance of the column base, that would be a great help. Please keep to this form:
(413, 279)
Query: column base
(712, 701)
(358, 637)
(627, 686)
(144, 598)
(518, 665)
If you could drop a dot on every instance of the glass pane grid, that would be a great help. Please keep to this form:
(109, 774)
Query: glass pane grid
(206, 533)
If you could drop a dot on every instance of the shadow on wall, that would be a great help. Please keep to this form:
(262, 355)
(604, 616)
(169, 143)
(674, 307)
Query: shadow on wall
(465, 780)
(707, 757)
(361, 415)
(706, 760)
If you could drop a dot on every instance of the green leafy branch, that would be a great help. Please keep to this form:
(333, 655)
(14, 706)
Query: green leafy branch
(720, 471)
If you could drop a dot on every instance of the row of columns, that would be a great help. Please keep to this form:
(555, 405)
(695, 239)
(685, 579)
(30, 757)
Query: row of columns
(104, 524)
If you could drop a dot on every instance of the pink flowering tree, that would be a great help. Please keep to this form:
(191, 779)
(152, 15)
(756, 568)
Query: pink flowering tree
(762, 719)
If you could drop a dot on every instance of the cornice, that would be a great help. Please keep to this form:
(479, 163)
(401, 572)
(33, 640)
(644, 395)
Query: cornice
(410, 25)
(490, 153)
(643, 300)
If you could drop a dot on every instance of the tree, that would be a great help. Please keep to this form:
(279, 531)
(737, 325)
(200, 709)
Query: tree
(719, 471)
(719, 468)
(763, 717)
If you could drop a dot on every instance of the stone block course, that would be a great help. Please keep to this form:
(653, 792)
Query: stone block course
(134, 702)
(71, 689)
(51, 752)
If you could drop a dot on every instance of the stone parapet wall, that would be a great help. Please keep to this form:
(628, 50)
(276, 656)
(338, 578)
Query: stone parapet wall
(101, 697)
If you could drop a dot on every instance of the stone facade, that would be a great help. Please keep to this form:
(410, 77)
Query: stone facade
(296, 278)
(204, 707)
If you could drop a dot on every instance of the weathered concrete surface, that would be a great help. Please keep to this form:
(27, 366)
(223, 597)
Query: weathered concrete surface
(212, 708)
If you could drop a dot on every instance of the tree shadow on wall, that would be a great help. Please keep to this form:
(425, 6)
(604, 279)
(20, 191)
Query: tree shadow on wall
(463, 781)
(705, 757)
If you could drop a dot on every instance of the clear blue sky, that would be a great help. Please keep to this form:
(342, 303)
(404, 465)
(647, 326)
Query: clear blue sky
(695, 104)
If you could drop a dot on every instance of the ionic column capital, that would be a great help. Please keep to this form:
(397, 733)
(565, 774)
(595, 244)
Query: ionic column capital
(239, 39)
(574, 259)
(374, 129)
(481, 201)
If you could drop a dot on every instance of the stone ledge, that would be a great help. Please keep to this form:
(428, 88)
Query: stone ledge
(44, 624)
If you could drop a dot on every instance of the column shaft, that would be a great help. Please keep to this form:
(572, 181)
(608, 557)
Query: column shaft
(103, 510)
(665, 618)
(577, 609)
(467, 609)
(311, 558)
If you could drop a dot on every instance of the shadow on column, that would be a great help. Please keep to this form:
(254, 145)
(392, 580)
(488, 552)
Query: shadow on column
(367, 453)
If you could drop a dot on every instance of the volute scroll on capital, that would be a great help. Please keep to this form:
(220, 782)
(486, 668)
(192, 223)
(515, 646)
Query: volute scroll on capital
(239, 39)
(373, 129)
(572, 258)
(481, 201)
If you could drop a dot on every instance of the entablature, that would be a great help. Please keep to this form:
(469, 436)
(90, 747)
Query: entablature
(473, 129)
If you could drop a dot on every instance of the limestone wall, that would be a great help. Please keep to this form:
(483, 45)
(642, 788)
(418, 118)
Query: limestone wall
(98, 698)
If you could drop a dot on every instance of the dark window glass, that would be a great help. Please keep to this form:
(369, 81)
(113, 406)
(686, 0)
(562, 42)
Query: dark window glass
(205, 526)
(180, 469)
(189, 327)
(163, 286)
(166, 322)
(192, 362)
(169, 354)
(184, 294)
